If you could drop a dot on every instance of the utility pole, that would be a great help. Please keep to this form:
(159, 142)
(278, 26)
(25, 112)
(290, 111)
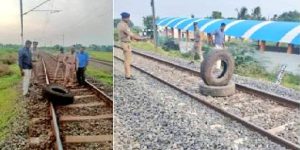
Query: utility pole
(21, 15)
(63, 40)
(153, 23)
(33, 9)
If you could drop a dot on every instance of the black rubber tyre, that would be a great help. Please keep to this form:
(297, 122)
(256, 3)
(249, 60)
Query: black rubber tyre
(208, 64)
(58, 95)
(218, 91)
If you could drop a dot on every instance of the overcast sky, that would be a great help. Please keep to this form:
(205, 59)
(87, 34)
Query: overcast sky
(200, 8)
(80, 21)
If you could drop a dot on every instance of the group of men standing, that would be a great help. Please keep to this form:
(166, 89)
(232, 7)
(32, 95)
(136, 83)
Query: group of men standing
(71, 65)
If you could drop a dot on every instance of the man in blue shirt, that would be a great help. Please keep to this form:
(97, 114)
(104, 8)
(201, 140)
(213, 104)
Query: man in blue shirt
(25, 64)
(219, 37)
(219, 41)
(83, 61)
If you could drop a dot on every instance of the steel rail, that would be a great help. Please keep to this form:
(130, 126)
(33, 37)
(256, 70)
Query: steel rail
(278, 98)
(102, 62)
(273, 137)
(55, 127)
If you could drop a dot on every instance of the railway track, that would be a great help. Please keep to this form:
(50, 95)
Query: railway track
(85, 124)
(107, 63)
(271, 115)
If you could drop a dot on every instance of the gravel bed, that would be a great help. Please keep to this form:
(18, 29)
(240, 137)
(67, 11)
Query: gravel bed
(21, 127)
(84, 111)
(40, 128)
(98, 127)
(292, 133)
(90, 146)
(260, 84)
(18, 128)
(189, 82)
(158, 117)
(105, 88)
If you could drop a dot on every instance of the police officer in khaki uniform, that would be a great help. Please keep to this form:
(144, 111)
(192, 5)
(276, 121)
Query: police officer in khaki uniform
(60, 63)
(35, 57)
(70, 62)
(197, 49)
(125, 36)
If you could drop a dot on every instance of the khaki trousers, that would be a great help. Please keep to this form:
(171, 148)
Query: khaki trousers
(26, 80)
(197, 49)
(127, 58)
(59, 65)
(70, 73)
(218, 47)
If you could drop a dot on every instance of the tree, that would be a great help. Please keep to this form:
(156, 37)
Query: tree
(243, 13)
(256, 13)
(56, 46)
(136, 29)
(216, 15)
(148, 23)
(116, 22)
(290, 16)
(275, 17)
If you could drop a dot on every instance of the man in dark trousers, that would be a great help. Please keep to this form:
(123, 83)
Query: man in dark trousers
(83, 61)
(25, 64)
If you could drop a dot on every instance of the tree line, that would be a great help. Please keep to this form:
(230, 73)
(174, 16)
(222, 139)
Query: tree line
(255, 14)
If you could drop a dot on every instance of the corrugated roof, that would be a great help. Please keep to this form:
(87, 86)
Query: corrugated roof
(274, 31)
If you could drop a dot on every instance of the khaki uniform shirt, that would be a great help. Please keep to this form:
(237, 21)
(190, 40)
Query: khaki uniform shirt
(60, 57)
(34, 54)
(124, 32)
(197, 36)
(70, 59)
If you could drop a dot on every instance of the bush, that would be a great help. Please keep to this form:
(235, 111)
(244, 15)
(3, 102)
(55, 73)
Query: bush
(169, 44)
(8, 59)
(4, 70)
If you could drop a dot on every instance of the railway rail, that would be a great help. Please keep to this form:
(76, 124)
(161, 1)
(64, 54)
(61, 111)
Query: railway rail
(272, 115)
(85, 124)
(107, 63)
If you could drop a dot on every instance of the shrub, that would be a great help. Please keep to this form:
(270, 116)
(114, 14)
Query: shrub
(169, 44)
(8, 59)
(4, 70)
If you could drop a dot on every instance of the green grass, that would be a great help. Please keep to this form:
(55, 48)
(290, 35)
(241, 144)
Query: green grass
(8, 99)
(105, 77)
(96, 54)
(101, 55)
(8, 92)
(150, 47)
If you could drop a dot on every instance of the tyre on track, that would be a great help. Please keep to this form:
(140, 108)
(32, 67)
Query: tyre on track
(218, 91)
(207, 68)
(58, 95)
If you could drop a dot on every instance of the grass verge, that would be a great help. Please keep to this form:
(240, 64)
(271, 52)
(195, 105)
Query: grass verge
(8, 99)
(101, 55)
(105, 77)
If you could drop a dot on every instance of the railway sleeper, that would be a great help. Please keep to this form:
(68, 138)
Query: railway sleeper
(88, 139)
(83, 118)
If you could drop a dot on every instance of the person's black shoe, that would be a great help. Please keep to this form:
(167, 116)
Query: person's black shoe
(130, 78)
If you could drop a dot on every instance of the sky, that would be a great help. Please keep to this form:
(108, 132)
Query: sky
(200, 8)
(80, 21)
